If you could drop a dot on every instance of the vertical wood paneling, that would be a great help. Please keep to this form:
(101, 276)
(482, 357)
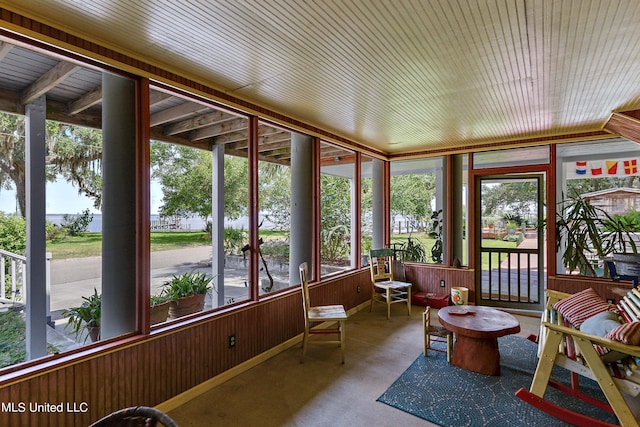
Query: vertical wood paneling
(427, 279)
(605, 288)
(157, 369)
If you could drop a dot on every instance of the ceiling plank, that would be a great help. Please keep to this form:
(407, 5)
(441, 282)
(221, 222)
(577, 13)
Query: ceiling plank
(624, 125)
(48, 81)
(88, 100)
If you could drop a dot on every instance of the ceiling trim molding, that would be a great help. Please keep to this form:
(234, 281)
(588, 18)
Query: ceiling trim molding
(516, 143)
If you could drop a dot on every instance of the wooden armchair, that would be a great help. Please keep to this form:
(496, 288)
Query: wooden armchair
(574, 350)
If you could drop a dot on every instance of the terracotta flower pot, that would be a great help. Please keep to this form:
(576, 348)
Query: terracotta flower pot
(159, 313)
(94, 333)
(186, 305)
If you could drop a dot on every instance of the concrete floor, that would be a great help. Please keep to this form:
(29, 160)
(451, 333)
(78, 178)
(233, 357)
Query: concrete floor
(323, 392)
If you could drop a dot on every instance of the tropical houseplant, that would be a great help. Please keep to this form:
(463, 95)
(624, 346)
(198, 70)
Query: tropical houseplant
(159, 305)
(586, 232)
(186, 292)
(86, 316)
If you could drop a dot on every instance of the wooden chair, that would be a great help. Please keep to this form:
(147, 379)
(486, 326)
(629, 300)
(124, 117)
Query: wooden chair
(385, 288)
(320, 314)
(574, 350)
(436, 333)
(135, 416)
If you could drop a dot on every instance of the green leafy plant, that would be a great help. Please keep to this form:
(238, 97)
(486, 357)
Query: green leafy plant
(413, 250)
(584, 229)
(87, 314)
(192, 283)
(234, 240)
(77, 224)
(158, 299)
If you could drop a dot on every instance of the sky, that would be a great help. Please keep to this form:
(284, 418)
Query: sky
(63, 198)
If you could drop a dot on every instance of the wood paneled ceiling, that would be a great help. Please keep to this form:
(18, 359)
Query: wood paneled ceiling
(400, 76)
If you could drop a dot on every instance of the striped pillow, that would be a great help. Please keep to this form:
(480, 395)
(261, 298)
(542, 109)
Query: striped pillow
(627, 333)
(580, 306)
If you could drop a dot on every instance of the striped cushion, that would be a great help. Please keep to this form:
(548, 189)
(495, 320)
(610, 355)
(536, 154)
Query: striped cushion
(580, 306)
(627, 333)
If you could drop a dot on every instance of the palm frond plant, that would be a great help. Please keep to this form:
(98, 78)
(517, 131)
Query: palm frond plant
(86, 315)
(585, 231)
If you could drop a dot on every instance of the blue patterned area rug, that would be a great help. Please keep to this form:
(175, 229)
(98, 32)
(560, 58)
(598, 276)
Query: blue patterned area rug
(441, 393)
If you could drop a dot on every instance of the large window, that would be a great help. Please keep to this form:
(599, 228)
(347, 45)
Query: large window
(337, 188)
(274, 213)
(66, 203)
(199, 206)
(417, 210)
(598, 192)
(366, 208)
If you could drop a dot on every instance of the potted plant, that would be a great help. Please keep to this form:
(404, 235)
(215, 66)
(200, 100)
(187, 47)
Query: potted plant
(186, 292)
(585, 231)
(159, 308)
(86, 316)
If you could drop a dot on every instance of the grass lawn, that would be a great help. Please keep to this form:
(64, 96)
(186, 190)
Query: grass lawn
(428, 244)
(90, 244)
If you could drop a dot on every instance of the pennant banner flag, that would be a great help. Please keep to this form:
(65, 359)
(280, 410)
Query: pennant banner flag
(630, 167)
(602, 168)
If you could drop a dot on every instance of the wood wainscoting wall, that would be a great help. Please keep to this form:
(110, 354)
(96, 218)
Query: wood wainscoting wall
(606, 288)
(153, 369)
(426, 278)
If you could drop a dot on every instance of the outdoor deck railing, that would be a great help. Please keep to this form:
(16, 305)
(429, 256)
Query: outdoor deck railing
(512, 275)
(13, 270)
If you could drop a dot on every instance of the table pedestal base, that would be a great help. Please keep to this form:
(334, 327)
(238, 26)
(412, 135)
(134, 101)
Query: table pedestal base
(479, 355)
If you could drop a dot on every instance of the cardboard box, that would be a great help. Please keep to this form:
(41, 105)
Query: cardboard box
(429, 299)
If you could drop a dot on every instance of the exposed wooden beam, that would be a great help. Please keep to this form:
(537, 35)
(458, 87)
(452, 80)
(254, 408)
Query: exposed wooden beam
(9, 102)
(156, 97)
(57, 111)
(215, 130)
(625, 124)
(176, 113)
(48, 81)
(265, 136)
(344, 160)
(4, 49)
(209, 118)
(240, 137)
(88, 100)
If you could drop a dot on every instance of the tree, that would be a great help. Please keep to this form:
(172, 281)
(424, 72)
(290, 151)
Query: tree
(587, 185)
(274, 193)
(515, 197)
(185, 176)
(411, 195)
(73, 152)
(335, 217)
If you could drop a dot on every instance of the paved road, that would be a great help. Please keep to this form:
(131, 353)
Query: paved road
(73, 278)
